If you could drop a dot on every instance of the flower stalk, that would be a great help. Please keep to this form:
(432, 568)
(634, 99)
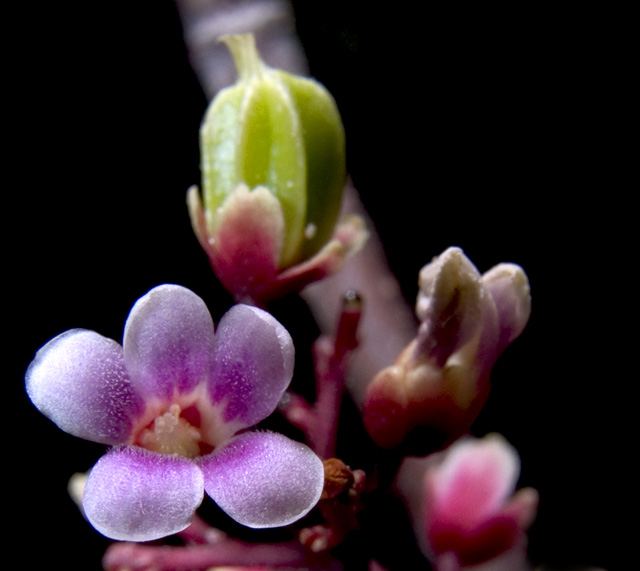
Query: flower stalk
(320, 420)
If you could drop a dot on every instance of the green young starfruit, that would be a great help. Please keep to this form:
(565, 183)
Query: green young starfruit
(273, 168)
(280, 131)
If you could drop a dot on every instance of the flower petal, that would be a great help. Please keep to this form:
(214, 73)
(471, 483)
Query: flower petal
(449, 305)
(136, 495)
(474, 481)
(264, 479)
(168, 341)
(79, 381)
(253, 365)
(509, 288)
(458, 500)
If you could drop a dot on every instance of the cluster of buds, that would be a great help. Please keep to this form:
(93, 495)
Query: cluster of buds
(176, 402)
(273, 163)
(441, 379)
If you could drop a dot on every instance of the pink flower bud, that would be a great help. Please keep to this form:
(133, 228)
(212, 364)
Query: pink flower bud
(462, 502)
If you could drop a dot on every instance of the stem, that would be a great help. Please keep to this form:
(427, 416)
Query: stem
(388, 324)
(330, 361)
(298, 412)
(201, 533)
(271, 21)
(245, 55)
(144, 557)
(320, 421)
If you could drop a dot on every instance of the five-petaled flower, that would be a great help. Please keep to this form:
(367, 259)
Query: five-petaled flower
(173, 402)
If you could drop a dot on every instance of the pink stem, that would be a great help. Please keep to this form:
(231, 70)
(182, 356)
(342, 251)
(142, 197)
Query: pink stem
(144, 557)
(298, 412)
(330, 361)
(388, 324)
(201, 533)
(320, 421)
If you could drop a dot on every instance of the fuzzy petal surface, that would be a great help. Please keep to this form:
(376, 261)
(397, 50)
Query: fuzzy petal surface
(253, 366)
(264, 479)
(168, 342)
(79, 381)
(135, 495)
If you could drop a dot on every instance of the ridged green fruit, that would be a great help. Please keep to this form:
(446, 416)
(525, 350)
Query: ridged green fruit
(281, 131)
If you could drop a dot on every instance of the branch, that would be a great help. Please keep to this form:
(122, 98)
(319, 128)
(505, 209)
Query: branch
(388, 324)
(143, 557)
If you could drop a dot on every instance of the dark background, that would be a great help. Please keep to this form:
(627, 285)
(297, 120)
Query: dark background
(491, 131)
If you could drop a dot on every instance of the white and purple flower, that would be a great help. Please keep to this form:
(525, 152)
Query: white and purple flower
(173, 402)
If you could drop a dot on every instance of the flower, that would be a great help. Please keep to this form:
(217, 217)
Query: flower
(441, 379)
(462, 504)
(273, 174)
(173, 402)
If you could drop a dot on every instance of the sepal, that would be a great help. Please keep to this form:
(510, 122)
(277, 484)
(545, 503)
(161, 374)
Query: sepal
(252, 275)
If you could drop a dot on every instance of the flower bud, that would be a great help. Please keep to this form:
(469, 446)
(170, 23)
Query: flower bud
(450, 303)
(509, 288)
(281, 132)
(464, 506)
(441, 379)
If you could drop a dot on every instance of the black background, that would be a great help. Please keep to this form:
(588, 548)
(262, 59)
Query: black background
(490, 131)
